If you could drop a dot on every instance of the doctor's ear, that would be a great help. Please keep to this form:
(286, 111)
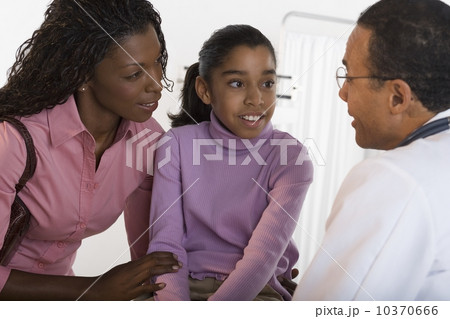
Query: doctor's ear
(400, 96)
(201, 87)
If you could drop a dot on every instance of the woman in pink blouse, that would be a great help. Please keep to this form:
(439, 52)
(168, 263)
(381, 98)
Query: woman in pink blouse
(84, 84)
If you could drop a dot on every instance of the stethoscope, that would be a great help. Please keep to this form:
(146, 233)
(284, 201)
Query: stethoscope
(427, 130)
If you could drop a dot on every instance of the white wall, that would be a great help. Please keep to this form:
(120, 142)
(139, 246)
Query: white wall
(186, 24)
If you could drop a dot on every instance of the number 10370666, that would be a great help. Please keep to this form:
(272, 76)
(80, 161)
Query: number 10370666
(407, 310)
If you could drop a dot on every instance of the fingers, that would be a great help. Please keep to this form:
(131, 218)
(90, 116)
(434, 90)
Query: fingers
(162, 254)
(149, 289)
(155, 264)
(134, 277)
(156, 259)
(162, 262)
(163, 269)
(160, 258)
(289, 285)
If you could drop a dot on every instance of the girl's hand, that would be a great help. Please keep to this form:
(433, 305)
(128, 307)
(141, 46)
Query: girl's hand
(131, 280)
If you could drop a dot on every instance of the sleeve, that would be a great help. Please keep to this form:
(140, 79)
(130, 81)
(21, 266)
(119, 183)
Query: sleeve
(136, 212)
(379, 239)
(167, 220)
(272, 234)
(137, 205)
(12, 162)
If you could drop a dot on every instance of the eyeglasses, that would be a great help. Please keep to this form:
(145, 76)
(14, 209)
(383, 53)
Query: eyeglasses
(341, 77)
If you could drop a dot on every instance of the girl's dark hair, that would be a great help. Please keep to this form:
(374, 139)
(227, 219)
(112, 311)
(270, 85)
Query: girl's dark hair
(411, 41)
(212, 55)
(63, 53)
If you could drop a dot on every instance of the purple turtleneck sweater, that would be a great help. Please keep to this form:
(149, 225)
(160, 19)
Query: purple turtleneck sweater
(227, 208)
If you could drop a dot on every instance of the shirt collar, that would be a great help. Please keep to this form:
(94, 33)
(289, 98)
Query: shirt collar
(440, 115)
(65, 123)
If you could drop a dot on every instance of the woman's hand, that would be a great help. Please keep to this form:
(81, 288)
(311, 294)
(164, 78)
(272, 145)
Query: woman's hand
(123, 282)
(131, 280)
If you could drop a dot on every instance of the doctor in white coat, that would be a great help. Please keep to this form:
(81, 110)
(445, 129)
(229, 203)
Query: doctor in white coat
(388, 234)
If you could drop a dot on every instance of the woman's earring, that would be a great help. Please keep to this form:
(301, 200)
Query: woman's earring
(83, 89)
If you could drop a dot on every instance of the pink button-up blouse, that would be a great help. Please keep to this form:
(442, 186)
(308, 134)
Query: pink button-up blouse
(68, 197)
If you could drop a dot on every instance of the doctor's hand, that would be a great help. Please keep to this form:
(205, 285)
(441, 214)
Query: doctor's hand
(288, 284)
(131, 280)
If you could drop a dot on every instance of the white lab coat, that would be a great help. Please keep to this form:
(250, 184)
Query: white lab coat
(388, 234)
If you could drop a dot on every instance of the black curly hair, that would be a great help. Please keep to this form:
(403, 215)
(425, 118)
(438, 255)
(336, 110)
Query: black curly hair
(63, 53)
(411, 40)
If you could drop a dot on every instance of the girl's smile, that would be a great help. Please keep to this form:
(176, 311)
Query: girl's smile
(242, 90)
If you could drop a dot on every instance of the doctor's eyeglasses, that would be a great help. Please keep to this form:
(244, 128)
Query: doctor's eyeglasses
(342, 77)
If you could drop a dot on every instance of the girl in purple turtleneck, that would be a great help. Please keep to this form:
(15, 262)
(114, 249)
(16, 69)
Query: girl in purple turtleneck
(229, 188)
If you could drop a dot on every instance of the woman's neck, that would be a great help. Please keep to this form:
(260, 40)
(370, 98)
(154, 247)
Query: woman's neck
(101, 124)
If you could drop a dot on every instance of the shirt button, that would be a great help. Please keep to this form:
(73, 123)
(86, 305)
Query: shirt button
(60, 244)
(82, 225)
(41, 265)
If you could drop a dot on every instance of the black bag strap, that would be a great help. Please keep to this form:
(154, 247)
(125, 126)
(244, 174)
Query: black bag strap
(30, 165)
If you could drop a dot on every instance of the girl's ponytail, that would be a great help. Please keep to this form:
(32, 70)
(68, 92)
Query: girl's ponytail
(193, 110)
